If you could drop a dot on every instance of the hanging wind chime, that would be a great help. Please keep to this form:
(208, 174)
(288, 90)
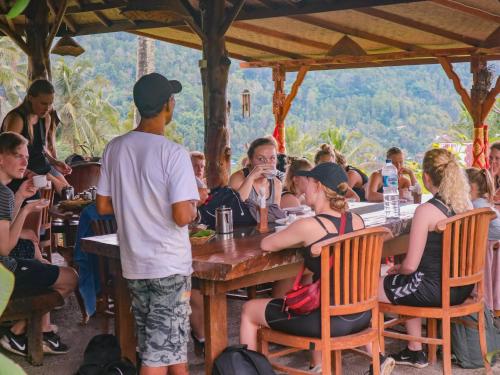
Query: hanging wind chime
(245, 103)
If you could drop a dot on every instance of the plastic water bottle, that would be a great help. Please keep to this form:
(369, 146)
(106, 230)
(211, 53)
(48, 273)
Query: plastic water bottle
(391, 192)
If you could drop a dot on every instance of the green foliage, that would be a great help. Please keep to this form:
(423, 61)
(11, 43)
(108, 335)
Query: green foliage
(7, 283)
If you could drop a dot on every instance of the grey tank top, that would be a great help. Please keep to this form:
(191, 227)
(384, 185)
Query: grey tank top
(254, 196)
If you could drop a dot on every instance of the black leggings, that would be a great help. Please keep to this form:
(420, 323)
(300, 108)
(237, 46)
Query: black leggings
(310, 325)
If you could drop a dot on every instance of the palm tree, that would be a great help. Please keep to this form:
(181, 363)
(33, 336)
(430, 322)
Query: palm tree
(13, 78)
(297, 143)
(89, 120)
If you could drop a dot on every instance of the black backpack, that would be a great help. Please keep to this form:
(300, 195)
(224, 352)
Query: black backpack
(103, 356)
(237, 359)
(225, 196)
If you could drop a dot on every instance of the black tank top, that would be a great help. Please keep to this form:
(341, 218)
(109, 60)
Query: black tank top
(432, 258)
(37, 161)
(314, 263)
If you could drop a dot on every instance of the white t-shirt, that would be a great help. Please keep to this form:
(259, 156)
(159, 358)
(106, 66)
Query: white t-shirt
(144, 174)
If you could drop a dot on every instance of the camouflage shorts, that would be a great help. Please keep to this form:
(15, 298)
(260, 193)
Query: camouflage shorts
(161, 309)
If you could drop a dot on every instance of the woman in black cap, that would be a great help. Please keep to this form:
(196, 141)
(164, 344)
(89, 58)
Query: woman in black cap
(325, 193)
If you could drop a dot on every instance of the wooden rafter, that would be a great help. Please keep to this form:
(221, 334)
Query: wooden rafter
(280, 35)
(124, 25)
(85, 8)
(56, 10)
(230, 17)
(192, 19)
(448, 68)
(469, 10)
(188, 44)
(102, 18)
(408, 22)
(16, 38)
(259, 47)
(362, 59)
(333, 26)
(493, 40)
(490, 100)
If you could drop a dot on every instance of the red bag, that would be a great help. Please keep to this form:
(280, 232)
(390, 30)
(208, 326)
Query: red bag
(304, 299)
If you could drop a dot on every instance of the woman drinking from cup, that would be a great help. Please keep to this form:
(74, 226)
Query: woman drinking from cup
(259, 177)
(293, 193)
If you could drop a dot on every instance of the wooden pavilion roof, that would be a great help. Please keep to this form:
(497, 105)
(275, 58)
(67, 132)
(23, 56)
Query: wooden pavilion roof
(324, 34)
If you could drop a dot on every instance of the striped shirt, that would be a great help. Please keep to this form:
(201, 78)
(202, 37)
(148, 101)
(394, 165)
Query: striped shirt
(7, 213)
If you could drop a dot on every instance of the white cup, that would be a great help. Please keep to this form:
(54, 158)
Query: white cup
(40, 181)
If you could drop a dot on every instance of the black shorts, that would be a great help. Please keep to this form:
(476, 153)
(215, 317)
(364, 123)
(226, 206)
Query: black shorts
(416, 290)
(310, 325)
(31, 273)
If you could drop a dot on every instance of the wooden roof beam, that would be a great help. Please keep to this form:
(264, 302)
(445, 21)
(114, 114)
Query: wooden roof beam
(259, 47)
(493, 40)
(102, 18)
(280, 35)
(67, 20)
(381, 64)
(332, 26)
(408, 22)
(188, 44)
(15, 37)
(469, 10)
(86, 8)
(124, 25)
(362, 59)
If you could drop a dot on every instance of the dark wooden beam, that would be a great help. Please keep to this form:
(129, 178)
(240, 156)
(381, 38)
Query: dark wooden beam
(102, 18)
(260, 47)
(493, 40)
(187, 44)
(15, 37)
(85, 8)
(332, 26)
(455, 5)
(280, 35)
(408, 22)
(231, 15)
(124, 25)
(67, 20)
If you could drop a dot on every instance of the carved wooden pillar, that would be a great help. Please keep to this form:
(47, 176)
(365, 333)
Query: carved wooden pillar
(279, 96)
(214, 71)
(37, 34)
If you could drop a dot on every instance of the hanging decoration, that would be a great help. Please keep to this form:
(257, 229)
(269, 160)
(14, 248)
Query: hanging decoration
(245, 103)
(67, 46)
(17, 8)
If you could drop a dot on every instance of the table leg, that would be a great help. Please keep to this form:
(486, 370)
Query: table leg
(215, 312)
(124, 319)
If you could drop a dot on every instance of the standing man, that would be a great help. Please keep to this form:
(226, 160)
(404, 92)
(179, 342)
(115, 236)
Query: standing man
(148, 182)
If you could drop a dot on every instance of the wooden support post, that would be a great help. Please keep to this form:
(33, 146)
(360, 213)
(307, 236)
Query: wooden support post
(37, 33)
(279, 96)
(214, 72)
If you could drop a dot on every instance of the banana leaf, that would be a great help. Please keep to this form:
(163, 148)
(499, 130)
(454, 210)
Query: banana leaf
(18, 8)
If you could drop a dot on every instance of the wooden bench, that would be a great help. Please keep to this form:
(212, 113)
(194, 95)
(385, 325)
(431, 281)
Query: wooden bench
(32, 305)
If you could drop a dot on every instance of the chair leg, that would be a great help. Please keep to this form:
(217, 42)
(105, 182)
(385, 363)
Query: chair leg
(482, 340)
(81, 305)
(252, 292)
(34, 331)
(381, 332)
(432, 332)
(446, 328)
(262, 345)
(335, 359)
(375, 357)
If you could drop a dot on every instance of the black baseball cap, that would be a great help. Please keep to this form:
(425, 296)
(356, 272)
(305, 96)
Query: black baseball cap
(152, 91)
(329, 174)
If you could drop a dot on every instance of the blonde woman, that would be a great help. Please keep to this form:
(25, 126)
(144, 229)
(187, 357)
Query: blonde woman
(417, 280)
(293, 192)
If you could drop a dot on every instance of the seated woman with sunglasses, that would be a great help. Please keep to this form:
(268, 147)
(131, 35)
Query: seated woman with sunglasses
(325, 193)
(259, 176)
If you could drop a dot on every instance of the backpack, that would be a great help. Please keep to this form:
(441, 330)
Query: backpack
(225, 196)
(237, 359)
(465, 340)
(103, 356)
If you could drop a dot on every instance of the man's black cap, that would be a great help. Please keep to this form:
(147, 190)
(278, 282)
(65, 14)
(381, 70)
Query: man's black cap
(329, 174)
(152, 91)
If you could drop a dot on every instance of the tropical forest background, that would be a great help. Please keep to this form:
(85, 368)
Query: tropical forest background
(362, 112)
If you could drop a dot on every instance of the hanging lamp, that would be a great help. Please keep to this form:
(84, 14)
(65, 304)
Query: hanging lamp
(67, 46)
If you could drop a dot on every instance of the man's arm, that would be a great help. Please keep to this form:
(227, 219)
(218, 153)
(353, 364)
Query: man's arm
(184, 212)
(104, 205)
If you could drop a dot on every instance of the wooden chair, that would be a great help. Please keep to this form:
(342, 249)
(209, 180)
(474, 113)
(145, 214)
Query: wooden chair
(464, 249)
(32, 305)
(105, 304)
(355, 275)
(46, 240)
(84, 176)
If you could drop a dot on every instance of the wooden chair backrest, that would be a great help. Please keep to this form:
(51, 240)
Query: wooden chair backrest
(49, 195)
(354, 274)
(101, 227)
(84, 176)
(465, 237)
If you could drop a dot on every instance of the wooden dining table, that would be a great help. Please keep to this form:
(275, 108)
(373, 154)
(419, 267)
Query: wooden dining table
(230, 262)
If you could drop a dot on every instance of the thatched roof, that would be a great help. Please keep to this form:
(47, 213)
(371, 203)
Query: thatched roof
(325, 34)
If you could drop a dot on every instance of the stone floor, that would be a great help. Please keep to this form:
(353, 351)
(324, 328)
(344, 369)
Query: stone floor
(77, 337)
